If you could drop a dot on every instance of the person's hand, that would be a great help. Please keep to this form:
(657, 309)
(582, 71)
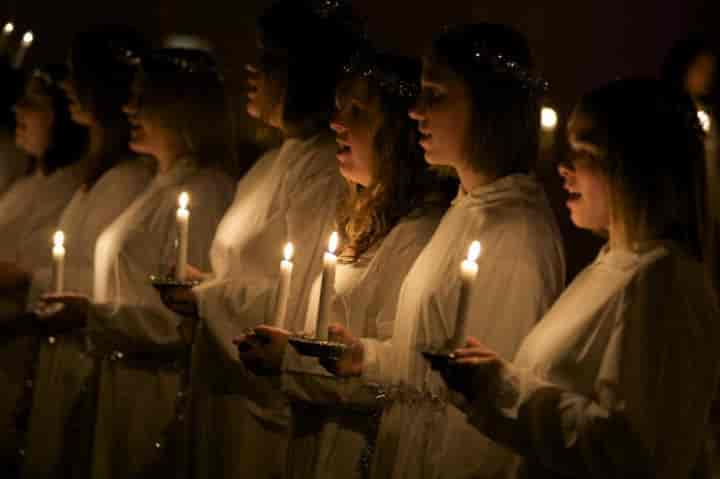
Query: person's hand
(470, 370)
(262, 349)
(350, 363)
(66, 310)
(181, 300)
(194, 274)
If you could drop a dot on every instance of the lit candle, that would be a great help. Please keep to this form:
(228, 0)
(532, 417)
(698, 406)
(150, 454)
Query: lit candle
(283, 292)
(183, 220)
(705, 120)
(548, 119)
(468, 272)
(548, 125)
(58, 252)
(327, 287)
(7, 30)
(27, 40)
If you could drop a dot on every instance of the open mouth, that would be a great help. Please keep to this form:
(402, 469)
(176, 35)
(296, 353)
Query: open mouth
(574, 196)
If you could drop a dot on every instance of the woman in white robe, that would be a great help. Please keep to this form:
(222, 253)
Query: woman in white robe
(97, 89)
(136, 340)
(520, 270)
(618, 377)
(394, 208)
(29, 213)
(240, 420)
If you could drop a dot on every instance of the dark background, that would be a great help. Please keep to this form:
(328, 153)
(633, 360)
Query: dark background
(577, 44)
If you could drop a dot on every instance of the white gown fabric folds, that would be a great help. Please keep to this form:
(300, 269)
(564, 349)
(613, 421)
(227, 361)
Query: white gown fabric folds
(138, 390)
(290, 194)
(63, 367)
(617, 379)
(520, 273)
(335, 420)
(30, 212)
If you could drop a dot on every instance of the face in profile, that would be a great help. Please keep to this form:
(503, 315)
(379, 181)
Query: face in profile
(79, 113)
(701, 75)
(356, 121)
(148, 135)
(587, 186)
(265, 94)
(444, 113)
(34, 117)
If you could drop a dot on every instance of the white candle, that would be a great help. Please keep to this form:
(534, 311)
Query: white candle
(468, 272)
(183, 223)
(7, 30)
(548, 124)
(58, 252)
(705, 120)
(283, 292)
(327, 287)
(27, 40)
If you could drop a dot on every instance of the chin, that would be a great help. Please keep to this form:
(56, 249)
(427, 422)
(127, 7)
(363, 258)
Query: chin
(252, 110)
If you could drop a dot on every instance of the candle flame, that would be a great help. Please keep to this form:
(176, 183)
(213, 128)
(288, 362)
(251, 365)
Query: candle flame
(8, 28)
(474, 251)
(184, 200)
(548, 118)
(28, 38)
(59, 238)
(705, 121)
(333, 243)
(288, 251)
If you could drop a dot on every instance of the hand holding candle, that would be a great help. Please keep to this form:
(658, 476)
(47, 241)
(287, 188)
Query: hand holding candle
(327, 287)
(183, 220)
(468, 272)
(58, 252)
(283, 292)
(27, 40)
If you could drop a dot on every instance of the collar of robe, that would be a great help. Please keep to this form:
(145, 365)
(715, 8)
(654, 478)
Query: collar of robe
(631, 258)
(511, 186)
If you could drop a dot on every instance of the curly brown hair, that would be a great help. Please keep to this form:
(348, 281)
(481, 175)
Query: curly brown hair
(402, 182)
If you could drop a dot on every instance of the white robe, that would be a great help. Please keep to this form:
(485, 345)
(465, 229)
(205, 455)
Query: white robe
(63, 366)
(617, 379)
(520, 273)
(30, 211)
(136, 399)
(13, 162)
(289, 195)
(335, 420)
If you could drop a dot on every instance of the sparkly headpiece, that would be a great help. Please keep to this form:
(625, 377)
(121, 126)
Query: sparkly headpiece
(378, 68)
(172, 60)
(330, 8)
(482, 54)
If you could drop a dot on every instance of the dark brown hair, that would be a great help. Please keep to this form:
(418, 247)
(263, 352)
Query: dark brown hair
(505, 123)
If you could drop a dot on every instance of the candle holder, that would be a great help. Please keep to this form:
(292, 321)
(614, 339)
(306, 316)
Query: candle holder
(316, 347)
(166, 285)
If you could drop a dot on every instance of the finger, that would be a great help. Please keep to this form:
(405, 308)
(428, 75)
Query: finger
(473, 361)
(475, 351)
(240, 339)
(473, 342)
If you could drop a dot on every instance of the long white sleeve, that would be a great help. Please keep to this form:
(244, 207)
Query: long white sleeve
(646, 412)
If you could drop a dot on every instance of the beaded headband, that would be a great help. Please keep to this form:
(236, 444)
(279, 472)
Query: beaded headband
(366, 66)
(482, 54)
(175, 60)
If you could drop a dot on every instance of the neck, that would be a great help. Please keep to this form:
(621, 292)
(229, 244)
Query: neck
(166, 160)
(471, 179)
(96, 140)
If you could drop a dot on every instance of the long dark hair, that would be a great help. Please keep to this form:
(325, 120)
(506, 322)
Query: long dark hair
(654, 162)
(303, 46)
(184, 90)
(102, 79)
(68, 140)
(402, 181)
(495, 62)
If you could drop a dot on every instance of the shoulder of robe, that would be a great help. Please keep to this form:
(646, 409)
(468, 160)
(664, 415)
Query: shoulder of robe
(133, 168)
(418, 226)
(209, 182)
(316, 160)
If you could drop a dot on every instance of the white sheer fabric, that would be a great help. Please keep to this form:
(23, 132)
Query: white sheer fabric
(135, 405)
(617, 379)
(13, 162)
(30, 211)
(63, 366)
(289, 195)
(330, 442)
(520, 273)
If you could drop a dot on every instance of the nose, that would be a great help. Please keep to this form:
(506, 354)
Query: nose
(417, 111)
(565, 171)
(130, 108)
(336, 124)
